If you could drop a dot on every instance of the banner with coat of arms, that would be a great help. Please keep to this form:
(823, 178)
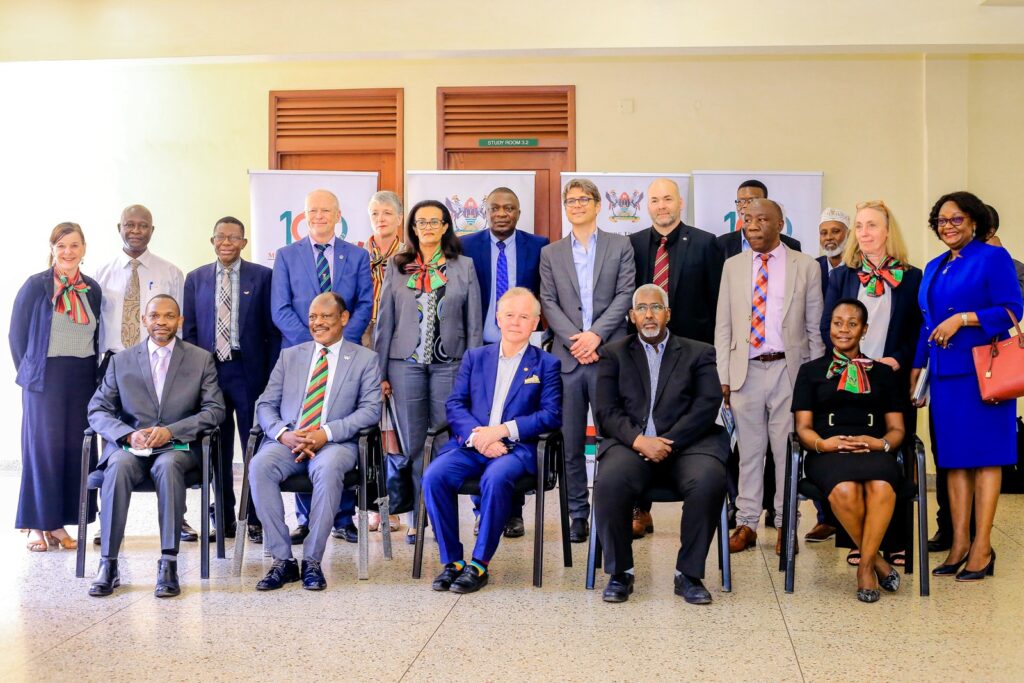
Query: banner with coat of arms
(624, 198)
(463, 192)
(277, 202)
(799, 194)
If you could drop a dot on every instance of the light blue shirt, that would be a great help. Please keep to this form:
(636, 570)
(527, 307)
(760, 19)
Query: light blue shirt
(233, 276)
(744, 244)
(583, 257)
(491, 331)
(328, 254)
(654, 356)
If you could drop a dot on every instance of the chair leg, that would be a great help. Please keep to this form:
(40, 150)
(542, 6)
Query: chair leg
(83, 506)
(364, 541)
(204, 522)
(538, 534)
(924, 576)
(417, 553)
(908, 567)
(790, 518)
(241, 536)
(563, 504)
(385, 525)
(724, 560)
(593, 552)
(218, 507)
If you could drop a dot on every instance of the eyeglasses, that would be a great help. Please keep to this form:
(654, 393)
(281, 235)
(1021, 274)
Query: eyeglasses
(232, 239)
(955, 221)
(133, 226)
(433, 223)
(653, 308)
(743, 202)
(579, 201)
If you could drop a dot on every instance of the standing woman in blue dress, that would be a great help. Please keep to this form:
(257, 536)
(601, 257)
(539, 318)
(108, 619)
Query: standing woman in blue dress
(53, 338)
(964, 296)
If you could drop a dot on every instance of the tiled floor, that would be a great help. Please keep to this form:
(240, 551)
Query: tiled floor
(392, 628)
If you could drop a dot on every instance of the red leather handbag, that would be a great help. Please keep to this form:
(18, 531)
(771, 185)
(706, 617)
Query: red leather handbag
(1000, 367)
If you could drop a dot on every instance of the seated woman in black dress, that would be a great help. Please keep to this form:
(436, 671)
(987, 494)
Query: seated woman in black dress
(849, 417)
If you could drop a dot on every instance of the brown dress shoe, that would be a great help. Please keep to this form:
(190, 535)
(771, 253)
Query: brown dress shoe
(778, 543)
(821, 532)
(643, 523)
(742, 538)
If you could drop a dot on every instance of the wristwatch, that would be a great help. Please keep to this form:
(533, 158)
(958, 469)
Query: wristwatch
(885, 445)
(963, 319)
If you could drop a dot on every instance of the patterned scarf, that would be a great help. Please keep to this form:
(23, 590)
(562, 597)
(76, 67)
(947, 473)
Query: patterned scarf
(426, 277)
(874, 278)
(853, 375)
(379, 259)
(67, 297)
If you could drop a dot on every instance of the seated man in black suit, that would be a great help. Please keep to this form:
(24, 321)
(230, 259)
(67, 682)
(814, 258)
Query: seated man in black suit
(672, 439)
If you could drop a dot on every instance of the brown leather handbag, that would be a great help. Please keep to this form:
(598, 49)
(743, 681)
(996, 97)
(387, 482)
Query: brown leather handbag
(1000, 367)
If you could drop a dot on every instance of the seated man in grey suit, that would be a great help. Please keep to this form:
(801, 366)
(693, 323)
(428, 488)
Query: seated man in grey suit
(320, 395)
(155, 398)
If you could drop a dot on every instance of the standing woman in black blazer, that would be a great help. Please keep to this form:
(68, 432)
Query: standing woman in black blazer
(53, 338)
(875, 272)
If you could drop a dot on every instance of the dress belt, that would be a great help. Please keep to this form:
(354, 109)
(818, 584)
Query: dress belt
(770, 357)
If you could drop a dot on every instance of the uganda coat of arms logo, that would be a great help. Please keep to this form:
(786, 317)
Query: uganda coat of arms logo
(467, 215)
(622, 207)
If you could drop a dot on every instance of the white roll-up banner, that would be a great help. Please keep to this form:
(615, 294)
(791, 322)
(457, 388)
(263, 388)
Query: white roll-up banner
(463, 192)
(624, 198)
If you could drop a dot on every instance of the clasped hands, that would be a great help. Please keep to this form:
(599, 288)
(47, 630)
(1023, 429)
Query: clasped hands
(584, 347)
(653, 448)
(850, 444)
(304, 443)
(487, 440)
(150, 437)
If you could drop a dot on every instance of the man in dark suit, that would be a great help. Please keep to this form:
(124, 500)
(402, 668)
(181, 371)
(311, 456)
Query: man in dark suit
(303, 270)
(227, 312)
(732, 243)
(160, 392)
(504, 257)
(667, 254)
(833, 229)
(657, 400)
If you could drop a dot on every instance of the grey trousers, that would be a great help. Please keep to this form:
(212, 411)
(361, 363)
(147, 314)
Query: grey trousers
(579, 392)
(274, 463)
(123, 473)
(761, 408)
(418, 395)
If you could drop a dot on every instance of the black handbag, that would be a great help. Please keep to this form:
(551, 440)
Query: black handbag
(397, 465)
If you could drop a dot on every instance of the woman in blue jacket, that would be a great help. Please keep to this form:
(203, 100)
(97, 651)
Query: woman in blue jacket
(965, 295)
(53, 337)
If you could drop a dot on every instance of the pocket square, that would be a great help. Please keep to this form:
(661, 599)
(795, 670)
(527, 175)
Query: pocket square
(532, 379)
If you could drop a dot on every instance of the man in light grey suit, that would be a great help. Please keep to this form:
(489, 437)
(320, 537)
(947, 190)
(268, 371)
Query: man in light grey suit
(765, 330)
(320, 394)
(155, 395)
(586, 289)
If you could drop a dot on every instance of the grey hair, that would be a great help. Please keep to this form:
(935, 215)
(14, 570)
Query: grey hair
(386, 197)
(330, 194)
(649, 287)
(515, 292)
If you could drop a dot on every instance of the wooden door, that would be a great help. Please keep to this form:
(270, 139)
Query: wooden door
(544, 116)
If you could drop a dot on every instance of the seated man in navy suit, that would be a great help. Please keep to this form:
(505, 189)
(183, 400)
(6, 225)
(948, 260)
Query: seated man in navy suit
(505, 396)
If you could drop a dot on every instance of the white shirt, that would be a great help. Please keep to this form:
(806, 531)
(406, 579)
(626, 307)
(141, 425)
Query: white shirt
(879, 315)
(158, 365)
(333, 351)
(156, 276)
(502, 383)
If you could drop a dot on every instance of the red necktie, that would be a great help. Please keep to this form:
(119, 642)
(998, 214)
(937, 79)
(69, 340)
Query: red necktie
(661, 265)
(759, 309)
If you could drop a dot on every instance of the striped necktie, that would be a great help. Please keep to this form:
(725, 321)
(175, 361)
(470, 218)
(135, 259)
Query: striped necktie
(661, 265)
(501, 276)
(224, 316)
(313, 405)
(759, 309)
(323, 269)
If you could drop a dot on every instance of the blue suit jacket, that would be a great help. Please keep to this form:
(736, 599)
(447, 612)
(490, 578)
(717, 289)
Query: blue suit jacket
(477, 246)
(295, 285)
(536, 406)
(259, 339)
(904, 319)
(31, 317)
(983, 282)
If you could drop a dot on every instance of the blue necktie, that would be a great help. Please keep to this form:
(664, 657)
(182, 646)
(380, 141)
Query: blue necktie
(323, 269)
(501, 277)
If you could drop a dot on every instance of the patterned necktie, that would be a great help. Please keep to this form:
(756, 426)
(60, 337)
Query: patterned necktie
(224, 316)
(501, 276)
(759, 309)
(160, 356)
(661, 265)
(130, 312)
(313, 405)
(323, 269)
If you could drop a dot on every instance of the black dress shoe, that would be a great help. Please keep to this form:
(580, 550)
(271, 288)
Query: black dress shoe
(229, 530)
(514, 527)
(312, 576)
(299, 535)
(97, 539)
(349, 532)
(107, 579)
(940, 543)
(281, 572)
(619, 587)
(446, 578)
(188, 534)
(469, 581)
(167, 579)
(255, 532)
(692, 590)
(989, 570)
(579, 530)
(949, 569)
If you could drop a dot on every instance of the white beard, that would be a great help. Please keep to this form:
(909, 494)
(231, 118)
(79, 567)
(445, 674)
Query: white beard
(833, 253)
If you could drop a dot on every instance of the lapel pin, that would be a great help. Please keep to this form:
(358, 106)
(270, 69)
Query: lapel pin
(246, 292)
(526, 369)
(347, 357)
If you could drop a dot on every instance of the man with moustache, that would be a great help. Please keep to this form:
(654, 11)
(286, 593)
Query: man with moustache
(769, 309)
(657, 401)
(504, 257)
(833, 230)
(686, 263)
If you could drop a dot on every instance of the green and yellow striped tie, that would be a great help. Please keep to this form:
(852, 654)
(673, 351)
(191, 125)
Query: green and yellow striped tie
(313, 405)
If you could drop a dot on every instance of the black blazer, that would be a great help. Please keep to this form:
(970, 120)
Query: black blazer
(695, 260)
(904, 320)
(685, 407)
(731, 243)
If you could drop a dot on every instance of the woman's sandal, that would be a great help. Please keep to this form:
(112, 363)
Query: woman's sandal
(67, 543)
(36, 545)
(853, 558)
(897, 559)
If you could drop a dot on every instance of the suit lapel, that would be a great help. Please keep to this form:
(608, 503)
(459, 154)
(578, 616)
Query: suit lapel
(308, 261)
(142, 354)
(570, 264)
(207, 301)
(676, 260)
(926, 283)
(527, 364)
(483, 252)
(792, 263)
(668, 366)
(246, 285)
(339, 263)
(639, 358)
(490, 373)
(599, 256)
(177, 356)
(344, 363)
(520, 260)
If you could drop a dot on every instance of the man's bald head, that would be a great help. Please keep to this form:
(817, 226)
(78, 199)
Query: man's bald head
(136, 229)
(664, 204)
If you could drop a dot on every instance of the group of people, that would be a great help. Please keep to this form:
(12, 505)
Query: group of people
(663, 336)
